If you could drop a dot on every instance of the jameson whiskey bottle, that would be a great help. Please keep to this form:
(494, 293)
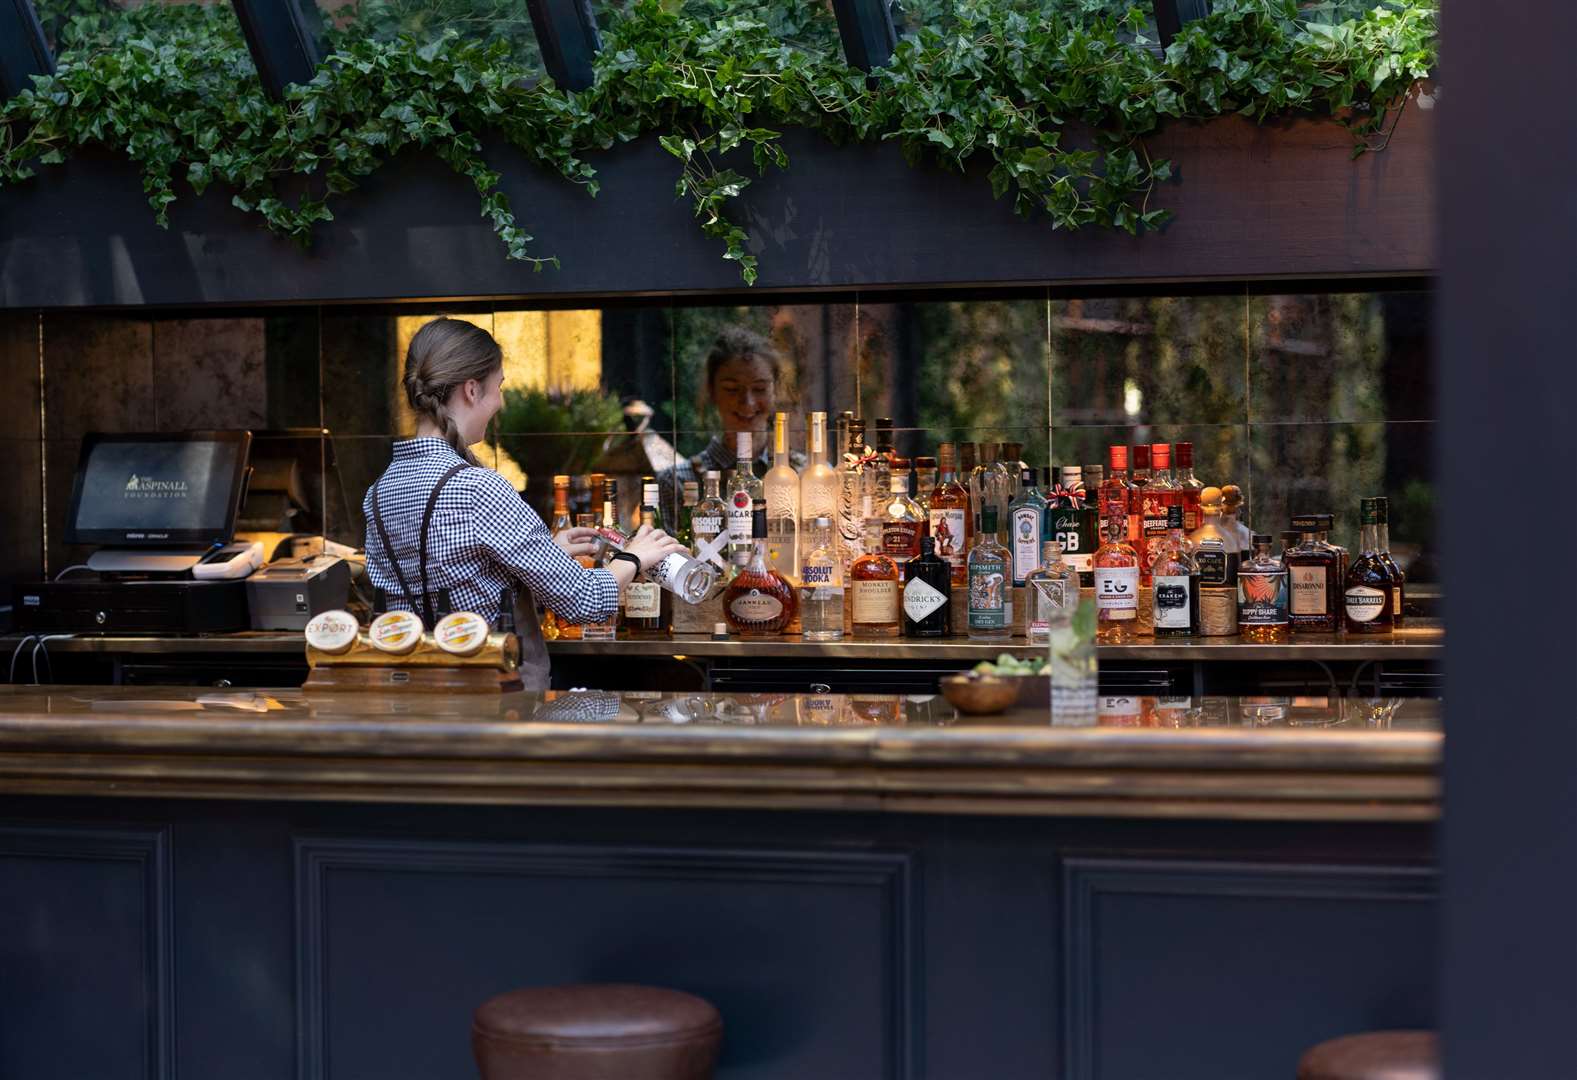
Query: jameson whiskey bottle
(927, 594)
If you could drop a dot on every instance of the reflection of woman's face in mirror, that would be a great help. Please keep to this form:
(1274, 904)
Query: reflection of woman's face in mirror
(745, 393)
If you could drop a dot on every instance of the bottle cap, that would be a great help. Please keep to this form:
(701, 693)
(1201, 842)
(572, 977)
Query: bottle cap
(1382, 510)
(1262, 538)
(1012, 451)
(1313, 522)
(1291, 539)
(461, 633)
(1053, 546)
(925, 463)
(988, 519)
(1072, 474)
(332, 631)
(1161, 455)
(649, 493)
(396, 632)
(713, 474)
(560, 481)
(1049, 477)
(1184, 452)
(899, 482)
(1117, 457)
(1368, 512)
(1141, 457)
(1174, 517)
(1231, 496)
(758, 519)
(1211, 497)
(927, 546)
(821, 523)
(742, 445)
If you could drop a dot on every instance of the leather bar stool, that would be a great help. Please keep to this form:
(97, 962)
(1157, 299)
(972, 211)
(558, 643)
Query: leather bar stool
(1374, 1055)
(596, 1032)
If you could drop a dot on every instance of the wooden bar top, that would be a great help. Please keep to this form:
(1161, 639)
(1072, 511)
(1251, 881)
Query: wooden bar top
(1237, 758)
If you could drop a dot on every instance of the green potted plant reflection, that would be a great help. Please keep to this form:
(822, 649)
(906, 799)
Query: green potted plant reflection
(555, 431)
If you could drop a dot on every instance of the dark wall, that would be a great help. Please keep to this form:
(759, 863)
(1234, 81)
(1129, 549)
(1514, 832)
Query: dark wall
(248, 941)
(1284, 200)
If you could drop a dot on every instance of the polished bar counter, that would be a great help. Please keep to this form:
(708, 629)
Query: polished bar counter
(1327, 759)
(271, 883)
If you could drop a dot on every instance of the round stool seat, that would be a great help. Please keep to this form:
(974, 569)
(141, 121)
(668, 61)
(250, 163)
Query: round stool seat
(596, 1032)
(1375, 1055)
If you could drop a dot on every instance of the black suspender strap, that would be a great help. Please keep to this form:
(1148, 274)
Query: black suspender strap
(425, 608)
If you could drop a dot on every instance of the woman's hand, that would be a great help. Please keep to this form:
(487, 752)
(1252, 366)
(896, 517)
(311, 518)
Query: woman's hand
(577, 541)
(651, 546)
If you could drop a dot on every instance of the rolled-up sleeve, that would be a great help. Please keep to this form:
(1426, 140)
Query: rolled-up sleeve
(515, 536)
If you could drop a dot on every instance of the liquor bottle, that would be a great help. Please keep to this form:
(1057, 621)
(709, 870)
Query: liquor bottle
(1114, 491)
(852, 509)
(1116, 580)
(1138, 480)
(609, 528)
(572, 632)
(885, 446)
(1262, 595)
(1160, 494)
(903, 522)
(759, 602)
(987, 486)
(1383, 530)
(818, 484)
(928, 594)
(1323, 538)
(1012, 461)
(1217, 556)
(1189, 486)
(948, 517)
(744, 490)
(924, 481)
(1232, 519)
(709, 522)
(1052, 592)
(1071, 522)
(821, 577)
(781, 487)
(1176, 581)
(1026, 524)
(873, 579)
(646, 607)
(552, 627)
(1371, 589)
(1314, 580)
(690, 496)
(990, 583)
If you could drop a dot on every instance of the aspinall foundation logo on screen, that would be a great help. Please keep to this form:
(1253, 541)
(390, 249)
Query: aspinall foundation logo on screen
(148, 487)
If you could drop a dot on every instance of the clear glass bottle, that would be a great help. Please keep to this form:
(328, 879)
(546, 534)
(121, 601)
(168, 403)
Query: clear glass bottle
(924, 481)
(1012, 455)
(781, 488)
(852, 496)
(1383, 532)
(709, 524)
(949, 522)
(1190, 486)
(821, 577)
(903, 522)
(1116, 581)
(984, 485)
(928, 594)
(1232, 519)
(744, 491)
(691, 494)
(1262, 595)
(1175, 581)
(1370, 596)
(873, 579)
(645, 608)
(1217, 556)
(990, 583)
(818, 484)
(1314, 578)
(1052, 592)
(1138, 481)
(1026, 527)
(759, 602)
(607, 528)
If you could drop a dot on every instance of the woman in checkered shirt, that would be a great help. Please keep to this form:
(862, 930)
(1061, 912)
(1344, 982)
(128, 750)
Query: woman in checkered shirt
(479, 537)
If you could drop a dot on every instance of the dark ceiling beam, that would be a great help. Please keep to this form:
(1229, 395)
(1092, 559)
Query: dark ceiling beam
(283, 36)
(23, 50)
(866, 27)
(1171, 15)
(567, 35)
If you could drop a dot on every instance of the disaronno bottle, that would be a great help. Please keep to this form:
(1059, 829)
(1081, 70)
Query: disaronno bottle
(1313, 577)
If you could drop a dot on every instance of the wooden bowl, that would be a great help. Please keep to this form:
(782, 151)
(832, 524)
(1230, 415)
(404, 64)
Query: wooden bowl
(980, 695)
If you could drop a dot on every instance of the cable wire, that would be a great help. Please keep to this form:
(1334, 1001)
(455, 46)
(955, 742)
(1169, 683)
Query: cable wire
(18, 653)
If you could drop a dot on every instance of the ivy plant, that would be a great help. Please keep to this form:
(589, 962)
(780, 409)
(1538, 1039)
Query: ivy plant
(1060, 97)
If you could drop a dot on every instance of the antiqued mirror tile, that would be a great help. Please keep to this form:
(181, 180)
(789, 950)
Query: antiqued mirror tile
(1341, 357)
(1149, 360)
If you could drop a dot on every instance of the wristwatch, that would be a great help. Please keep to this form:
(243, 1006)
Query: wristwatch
(632, 558)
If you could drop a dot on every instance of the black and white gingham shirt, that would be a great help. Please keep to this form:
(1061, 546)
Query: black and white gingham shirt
(483, 537)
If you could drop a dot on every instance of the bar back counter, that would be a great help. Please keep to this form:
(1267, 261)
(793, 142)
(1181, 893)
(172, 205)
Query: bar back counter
(272, 883)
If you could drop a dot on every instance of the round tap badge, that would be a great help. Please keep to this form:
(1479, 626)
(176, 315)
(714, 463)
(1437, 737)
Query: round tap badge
(333, 631)
(461, 633)
(395, 632)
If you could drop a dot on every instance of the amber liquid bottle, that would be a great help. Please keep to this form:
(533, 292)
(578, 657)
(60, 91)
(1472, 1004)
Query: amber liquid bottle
(1314, 581)
(948, 517)
(759, 602)
(1116, 584)
(552, 627)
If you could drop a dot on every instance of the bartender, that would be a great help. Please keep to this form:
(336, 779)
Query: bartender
(451, 524)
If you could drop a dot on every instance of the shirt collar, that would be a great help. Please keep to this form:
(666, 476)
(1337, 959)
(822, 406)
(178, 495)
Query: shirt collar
(422, 446)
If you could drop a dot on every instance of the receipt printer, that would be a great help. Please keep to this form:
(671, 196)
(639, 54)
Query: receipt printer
(283, 595)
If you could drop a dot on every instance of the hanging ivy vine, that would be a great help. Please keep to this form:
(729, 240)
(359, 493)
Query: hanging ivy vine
(173, 88)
